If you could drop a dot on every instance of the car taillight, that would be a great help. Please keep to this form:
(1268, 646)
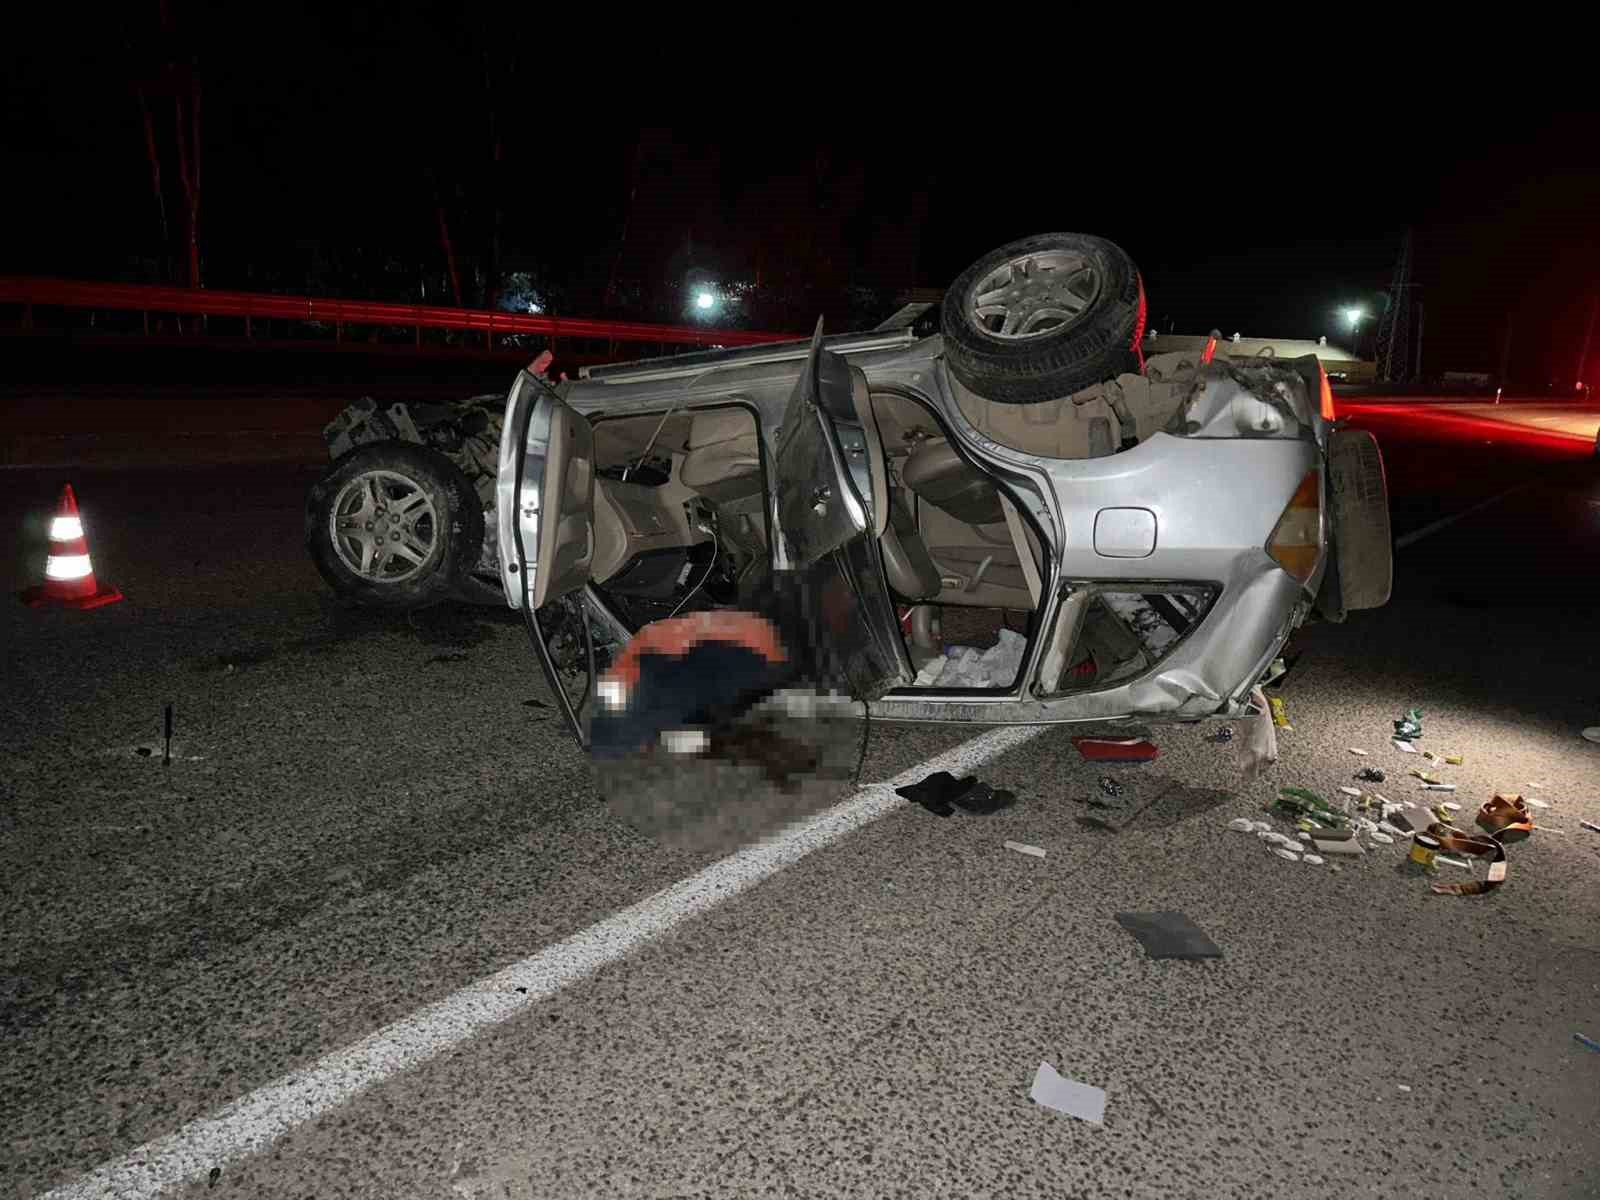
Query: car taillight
(1297, 538)
(1327, 392)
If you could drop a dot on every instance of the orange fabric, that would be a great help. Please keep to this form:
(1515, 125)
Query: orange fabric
(677, 636)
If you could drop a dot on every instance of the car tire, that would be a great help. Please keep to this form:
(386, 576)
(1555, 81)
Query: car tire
(1010, 330)
(1358, 497)
(422, 507)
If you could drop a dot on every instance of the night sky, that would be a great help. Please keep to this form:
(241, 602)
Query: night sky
(329, 141)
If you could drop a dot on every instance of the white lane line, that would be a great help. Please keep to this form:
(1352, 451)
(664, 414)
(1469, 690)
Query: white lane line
(254, 1121)
(1416, 535)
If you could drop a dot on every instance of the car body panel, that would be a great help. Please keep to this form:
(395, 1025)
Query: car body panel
(544, 496)
(819, 505)
(1216, 479)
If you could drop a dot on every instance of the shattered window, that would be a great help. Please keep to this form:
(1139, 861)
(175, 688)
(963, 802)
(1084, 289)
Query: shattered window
(1126, 633)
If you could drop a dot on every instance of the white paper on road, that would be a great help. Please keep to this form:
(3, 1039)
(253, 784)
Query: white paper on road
(1020, 848)
(1068, 1096)
(1407, 747)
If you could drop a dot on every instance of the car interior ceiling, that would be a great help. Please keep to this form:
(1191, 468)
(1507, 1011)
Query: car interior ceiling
(949, 542)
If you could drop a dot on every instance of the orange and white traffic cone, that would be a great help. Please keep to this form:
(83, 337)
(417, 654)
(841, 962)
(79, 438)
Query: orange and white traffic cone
(68, 575)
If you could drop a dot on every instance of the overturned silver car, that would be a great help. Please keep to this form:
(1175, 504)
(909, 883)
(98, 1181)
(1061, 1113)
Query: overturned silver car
(1140, 538)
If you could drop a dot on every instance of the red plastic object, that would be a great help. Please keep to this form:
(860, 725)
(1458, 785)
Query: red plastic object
(1099, 749)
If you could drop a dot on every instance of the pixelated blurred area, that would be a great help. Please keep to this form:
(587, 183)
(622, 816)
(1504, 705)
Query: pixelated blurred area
(789, 757)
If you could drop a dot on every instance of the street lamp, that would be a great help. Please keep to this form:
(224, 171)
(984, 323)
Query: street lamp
(1354, 316)
(705, 301)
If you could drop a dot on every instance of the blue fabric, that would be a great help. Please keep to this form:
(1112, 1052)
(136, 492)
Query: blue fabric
(712, 684)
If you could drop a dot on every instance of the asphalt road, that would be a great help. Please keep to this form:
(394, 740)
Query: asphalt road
(368, 839)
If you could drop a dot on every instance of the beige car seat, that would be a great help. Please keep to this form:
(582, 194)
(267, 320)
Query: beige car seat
(943, 478)
(906, 561)
(723, 459)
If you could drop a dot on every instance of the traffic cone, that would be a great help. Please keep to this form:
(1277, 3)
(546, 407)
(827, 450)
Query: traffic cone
(68, 576)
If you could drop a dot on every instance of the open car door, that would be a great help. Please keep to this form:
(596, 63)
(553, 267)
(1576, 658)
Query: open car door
(544, 515)
(828, 528)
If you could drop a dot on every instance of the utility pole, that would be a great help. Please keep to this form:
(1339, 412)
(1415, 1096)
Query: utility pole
(1394, 341)
(1588, 334)
(1417, 374)
(1505, 351)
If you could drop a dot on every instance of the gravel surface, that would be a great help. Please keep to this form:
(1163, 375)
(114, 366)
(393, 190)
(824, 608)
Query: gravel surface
(363, 817)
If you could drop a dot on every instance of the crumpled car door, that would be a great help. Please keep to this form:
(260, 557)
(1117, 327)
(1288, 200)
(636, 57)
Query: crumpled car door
(544, 512)
(819, 505)
(544, 496)
(826, 524)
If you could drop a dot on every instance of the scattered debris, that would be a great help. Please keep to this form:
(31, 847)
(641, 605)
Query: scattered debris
(1115, 750)
(1242, 824)
(1315, 860)
(1455, 760)
(967, 666)
(1168, 935)
(1261, 740)
(1405, 746)
(1381, 838)
(1590, 826)
(1409, 727)
(941, 793)
(1280, 713)
(1439, 787)
(216, 1174)
(1476, 847)
(1424, 850)
(1539, 783)
(1354, 750)
(450, 656)
(1222, 736)
(1020, 848)
(1425, 777)
(1311, 806)
(936, 792)
(1454, 862)
(1285, 852)
(1110, 786)
(534, 704)
(1276, 672)
(1350, 791)
(982, 800)
(1538, 803)
(1505, 817)
(1589, 1042)
(1371, 775)
(1346, 847)
(1051, 1090)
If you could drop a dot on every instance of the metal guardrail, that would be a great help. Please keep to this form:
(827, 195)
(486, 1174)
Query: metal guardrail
(31, 292)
